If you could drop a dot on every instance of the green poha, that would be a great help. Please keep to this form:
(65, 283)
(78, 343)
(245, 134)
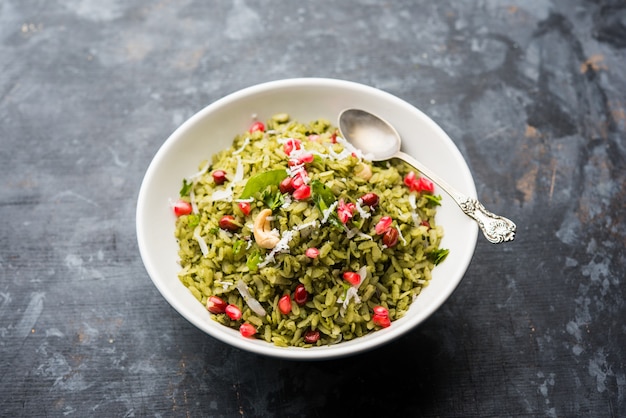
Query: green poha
(293, 236)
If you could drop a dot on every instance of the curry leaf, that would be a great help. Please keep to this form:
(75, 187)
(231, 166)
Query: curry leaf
(261, 181)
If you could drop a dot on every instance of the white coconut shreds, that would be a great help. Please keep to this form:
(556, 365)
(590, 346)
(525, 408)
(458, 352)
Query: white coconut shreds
(201, 242)
(245, 144)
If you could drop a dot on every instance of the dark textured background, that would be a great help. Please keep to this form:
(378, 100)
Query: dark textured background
(533, 92)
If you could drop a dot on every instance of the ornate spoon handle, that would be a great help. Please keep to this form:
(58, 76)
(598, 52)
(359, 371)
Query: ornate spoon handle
(496, 228)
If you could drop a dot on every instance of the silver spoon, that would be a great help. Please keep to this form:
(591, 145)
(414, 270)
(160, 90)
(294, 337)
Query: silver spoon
(379, 139)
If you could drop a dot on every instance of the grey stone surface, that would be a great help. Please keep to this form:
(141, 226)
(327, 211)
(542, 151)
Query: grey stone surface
(533, 94)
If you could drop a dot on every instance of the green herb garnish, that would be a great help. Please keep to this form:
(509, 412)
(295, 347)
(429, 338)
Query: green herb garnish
(435, 200)
(438, 255)
(261, 181)
(184, 191)
(324, 198)
(272, 198)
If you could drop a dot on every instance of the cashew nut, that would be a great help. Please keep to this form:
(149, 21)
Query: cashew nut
(264, 236)
(363, 171)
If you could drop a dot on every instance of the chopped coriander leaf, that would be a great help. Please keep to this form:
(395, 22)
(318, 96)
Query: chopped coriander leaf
(435, 200)
(438, 255)
(272, 198)
(184, 191)
(324, 198)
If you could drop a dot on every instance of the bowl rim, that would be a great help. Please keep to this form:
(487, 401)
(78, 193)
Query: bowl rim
(343, 349)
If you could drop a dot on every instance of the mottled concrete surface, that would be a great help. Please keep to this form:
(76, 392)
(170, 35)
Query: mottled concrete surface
(533, 93)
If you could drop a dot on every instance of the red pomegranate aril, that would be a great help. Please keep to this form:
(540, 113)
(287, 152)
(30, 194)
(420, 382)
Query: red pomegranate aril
(391, 237)
(257, 126)
(312, 252)
(300, 295)
(219, 176)
(383, 225)
(306, 158)
(380, 311)
(352, 277)
(233, 312)
(290, 145)
(410, 179)
(423, 185)
(182, 207)
(245, 207)
(247, 330)
(425, 223)
(381, 321)
(345, 211)
(284, 304)
(216, 305)
(302, 192)
(297, 181)
(311, 336)
(229, 223)
(286, 186)
(370, 199)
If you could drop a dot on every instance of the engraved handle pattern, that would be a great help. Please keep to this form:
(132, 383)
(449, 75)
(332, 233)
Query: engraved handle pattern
(496, 228)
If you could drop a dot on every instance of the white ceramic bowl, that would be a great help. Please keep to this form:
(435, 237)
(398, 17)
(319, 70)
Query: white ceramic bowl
(213, 129)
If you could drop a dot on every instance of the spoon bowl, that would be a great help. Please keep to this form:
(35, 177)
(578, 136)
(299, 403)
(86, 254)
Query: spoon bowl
(380, 141)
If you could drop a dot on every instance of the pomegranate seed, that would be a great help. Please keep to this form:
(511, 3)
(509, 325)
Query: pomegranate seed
(352, 277)
(216, 305)
(233, 312)
(245, 208)
(345, 211)
(425, 223)
(290, 145)
(423, 185)
(306, 158)
(370, 199)
(302, 192)
(409, 179)
(229, 223)
(383, 225)
(391, 237)
(182, 207)
(333, 138)
(286, 186)
(380, 311)
(219, 176)
(300, 295)
(312, 252)
(284, 304)
(382, 321)
(257, 126)
(311, 336)
(247, 330)
(297, 181)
